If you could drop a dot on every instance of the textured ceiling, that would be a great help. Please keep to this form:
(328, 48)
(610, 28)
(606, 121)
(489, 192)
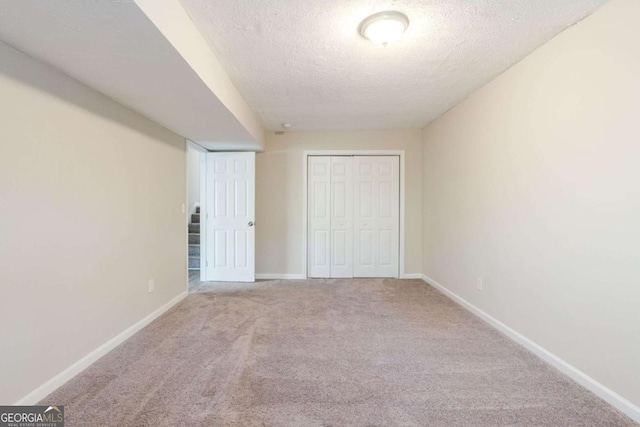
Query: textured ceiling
(303, 62)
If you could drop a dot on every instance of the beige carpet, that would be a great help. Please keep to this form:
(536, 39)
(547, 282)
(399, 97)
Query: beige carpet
(324, 353)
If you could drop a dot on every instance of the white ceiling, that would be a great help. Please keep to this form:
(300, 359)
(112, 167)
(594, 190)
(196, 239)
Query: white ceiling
(303, 62)
(112, 46)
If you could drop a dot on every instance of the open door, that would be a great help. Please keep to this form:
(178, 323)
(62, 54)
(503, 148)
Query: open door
(230, 210)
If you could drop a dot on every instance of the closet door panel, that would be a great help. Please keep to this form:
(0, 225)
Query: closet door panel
(376, 216)
(341, 216)
(319, 217)
(364, 221)
(388, 215)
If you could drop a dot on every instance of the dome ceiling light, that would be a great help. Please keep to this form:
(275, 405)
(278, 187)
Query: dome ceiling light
(384, 27)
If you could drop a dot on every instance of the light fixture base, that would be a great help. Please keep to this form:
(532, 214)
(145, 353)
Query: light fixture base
(383, 28)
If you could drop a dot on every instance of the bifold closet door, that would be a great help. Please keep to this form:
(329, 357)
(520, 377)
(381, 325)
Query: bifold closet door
(376, 216)
(353, 216)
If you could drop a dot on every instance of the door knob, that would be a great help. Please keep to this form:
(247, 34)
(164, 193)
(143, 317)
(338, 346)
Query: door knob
(250, 223)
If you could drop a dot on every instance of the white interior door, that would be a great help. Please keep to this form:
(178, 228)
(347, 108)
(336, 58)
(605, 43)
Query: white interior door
(230, 210)
(341, 216)
(376, 216)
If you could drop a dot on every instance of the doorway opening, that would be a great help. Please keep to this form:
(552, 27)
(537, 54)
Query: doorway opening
(196, 157)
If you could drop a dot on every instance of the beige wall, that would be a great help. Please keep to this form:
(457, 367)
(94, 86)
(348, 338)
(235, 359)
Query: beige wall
(279, 210)
(90, 210)
(193, 178)
(533, 184)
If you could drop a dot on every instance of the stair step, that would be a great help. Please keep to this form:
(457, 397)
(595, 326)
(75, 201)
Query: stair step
(194, 240)
(194, 262)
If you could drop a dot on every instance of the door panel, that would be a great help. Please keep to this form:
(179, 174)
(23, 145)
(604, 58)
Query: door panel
(366, 248)
(388, 216)
(376, 216)
(230, 208)
(241, 198)
(339, 249)
(385, 202)
(341, 216)
(220, 248)
(320, 199)
(220, 195)
(241, 248)
(365, 198)
(385, 253)
(321, 248)
(319, 218)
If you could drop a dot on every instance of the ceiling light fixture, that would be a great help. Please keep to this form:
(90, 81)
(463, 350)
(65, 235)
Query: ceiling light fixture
(384, 27)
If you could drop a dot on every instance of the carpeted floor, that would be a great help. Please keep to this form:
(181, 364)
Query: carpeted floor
(324, 353)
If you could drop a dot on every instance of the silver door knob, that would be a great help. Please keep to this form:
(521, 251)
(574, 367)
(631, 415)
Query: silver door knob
(250, 223)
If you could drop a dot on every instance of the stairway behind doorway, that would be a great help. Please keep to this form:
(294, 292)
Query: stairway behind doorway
(194, 240)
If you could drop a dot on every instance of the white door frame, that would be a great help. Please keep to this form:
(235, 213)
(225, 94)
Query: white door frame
(305, 178)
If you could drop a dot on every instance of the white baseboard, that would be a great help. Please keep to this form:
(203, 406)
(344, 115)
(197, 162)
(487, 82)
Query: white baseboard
(606, 394)
(301, 276)
(271, 276)
(52, 384)
(411, 276)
